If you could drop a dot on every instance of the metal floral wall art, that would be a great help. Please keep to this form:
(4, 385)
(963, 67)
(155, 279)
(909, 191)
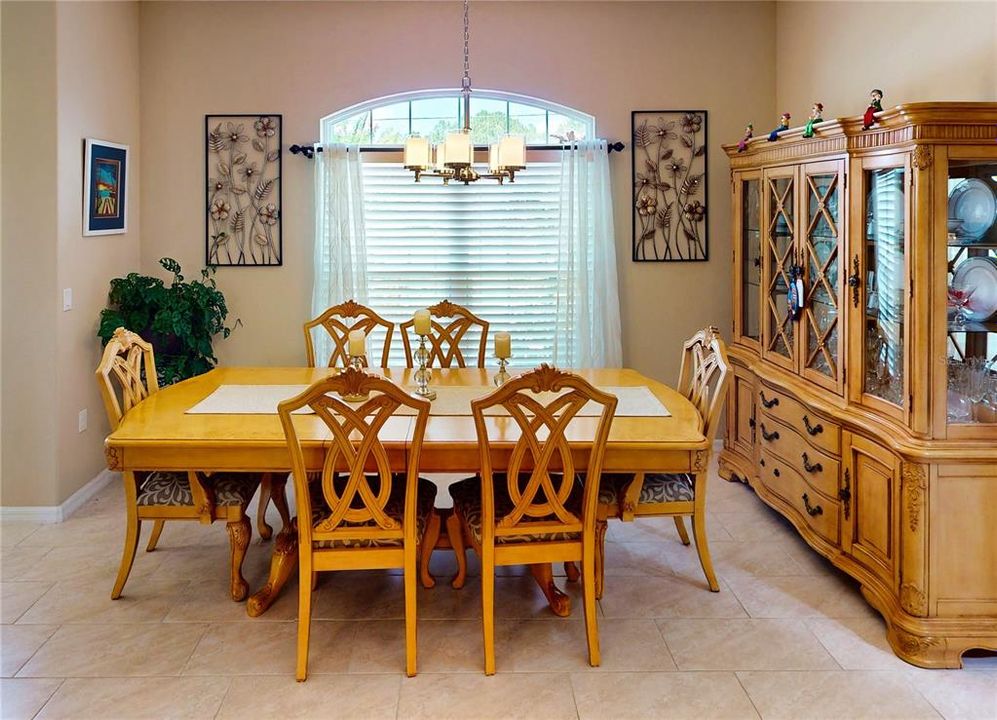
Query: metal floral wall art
(670, 222)
(243, 199)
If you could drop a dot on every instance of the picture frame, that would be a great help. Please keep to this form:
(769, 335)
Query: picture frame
(670, 200)
(105, 187)
(243, 156)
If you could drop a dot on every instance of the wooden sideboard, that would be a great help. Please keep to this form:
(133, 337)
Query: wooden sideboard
(867, 417)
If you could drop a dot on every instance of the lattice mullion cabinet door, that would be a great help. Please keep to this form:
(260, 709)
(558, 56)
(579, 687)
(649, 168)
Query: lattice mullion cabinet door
(780, 250)
(822, 241)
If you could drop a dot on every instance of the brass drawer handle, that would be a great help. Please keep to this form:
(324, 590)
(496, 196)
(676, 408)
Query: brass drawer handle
(811, 467)
(769, 404)
(769, 436)
(812, 429)
(812, 510)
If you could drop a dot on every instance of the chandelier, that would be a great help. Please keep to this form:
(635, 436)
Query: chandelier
(453, 159)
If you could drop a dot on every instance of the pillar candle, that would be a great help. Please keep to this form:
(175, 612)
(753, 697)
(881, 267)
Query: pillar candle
(423, 322)
(358, 343)
(503, 345)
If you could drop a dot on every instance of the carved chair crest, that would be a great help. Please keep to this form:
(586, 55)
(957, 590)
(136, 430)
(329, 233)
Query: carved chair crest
(444, 341)
(704, 375)
(127, 368)
(332, 321)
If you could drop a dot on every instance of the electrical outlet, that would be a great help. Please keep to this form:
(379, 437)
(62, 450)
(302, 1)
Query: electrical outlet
(83, 420)
(67, 299)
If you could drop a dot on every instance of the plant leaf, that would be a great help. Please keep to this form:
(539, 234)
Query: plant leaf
(263, 189)
(699, 151)
(238, 221)
(648, 234)
(273, 155)
(667, 154)
(239, 159)
(224, 169)
(257, 145)
(686, 141)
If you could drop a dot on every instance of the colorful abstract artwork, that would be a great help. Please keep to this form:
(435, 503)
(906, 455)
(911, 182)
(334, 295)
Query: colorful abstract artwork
(104, 188)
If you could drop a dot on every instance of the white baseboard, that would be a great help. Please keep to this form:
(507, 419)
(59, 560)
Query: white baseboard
(47, 514)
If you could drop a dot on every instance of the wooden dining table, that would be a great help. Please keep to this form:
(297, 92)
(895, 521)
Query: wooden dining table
(161, 434)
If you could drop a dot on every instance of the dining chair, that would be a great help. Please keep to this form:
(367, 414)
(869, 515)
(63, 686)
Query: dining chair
(127, 376)
(703, 379)
(444, 340)
(536, 508)
(338, 321)
(360, 512)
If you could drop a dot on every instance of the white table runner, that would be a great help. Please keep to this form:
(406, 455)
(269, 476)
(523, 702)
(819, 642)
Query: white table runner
(634, 401)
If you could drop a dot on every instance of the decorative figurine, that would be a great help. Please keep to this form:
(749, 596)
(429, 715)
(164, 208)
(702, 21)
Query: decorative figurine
(816, 116)
(783, 125)
(875, 106)
(748, 133)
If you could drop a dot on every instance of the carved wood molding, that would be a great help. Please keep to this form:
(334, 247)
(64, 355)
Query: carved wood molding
(913, 600)
(700, 460)
(921, 157)
(914, 482)
(911, 644)
(113, 458)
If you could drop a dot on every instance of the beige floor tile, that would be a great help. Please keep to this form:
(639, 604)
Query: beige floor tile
(508, 696)
(330, 697)
(146, 599)
(136, 699)
(443, 646)
(834, 695)
(660, 530)
(760, 559)
(21, 699)
(799, 596)
(958, 694)
(359, 595)
(661, 696)
(640, 558)
(666, 597)
(18, 643)
(12, 532)
(269, 648)
(16, 561)
(212, 602)
(114, 651)
(857, 643)
(759, 523)
(80, 562)
(744, 644)
(16, 597)
(97, 532)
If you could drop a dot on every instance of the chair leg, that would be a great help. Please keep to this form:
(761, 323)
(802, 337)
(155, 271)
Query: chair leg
(600, 556)
(571, 570)
(703, 550)
(410, 610)
(588, 599)
(278, 493)
(680, 526)
(488, 608)
(456, 534)
(305, 575)
(429, 540)
(266, 487)
(133, 527)
(157, 530)
(239, 533)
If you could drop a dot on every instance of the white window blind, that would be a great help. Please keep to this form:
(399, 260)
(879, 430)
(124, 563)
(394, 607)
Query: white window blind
(489, 247)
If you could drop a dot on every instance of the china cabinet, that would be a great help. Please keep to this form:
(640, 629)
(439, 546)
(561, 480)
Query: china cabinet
(864, 402)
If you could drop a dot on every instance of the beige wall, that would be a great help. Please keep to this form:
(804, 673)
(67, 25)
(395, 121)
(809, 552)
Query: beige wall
(836, 52)
(307, 60)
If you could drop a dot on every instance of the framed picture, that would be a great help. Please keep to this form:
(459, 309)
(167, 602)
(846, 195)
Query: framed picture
(243, 194)
(670, 201)
(105, 197)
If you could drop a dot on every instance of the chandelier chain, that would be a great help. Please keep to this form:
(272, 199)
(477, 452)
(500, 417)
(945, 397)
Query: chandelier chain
(467, 55)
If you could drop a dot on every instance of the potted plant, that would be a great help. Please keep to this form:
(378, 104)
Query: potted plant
(180, 319)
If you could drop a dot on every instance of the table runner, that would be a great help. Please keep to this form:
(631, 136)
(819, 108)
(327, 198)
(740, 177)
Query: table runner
(453, 400)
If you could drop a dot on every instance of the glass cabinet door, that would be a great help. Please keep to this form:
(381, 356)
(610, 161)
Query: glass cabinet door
(972, 293)
(821, 267)
(751, 258)
(779, 259)
(885, 269)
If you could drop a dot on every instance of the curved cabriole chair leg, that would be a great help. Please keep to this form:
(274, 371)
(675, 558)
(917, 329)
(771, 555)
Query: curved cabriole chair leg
(157, 530)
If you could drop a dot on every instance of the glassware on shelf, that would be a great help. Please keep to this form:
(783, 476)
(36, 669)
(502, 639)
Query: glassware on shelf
(959, 300)
(972, 389)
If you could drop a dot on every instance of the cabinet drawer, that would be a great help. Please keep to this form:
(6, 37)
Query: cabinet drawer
(816, 509)
(820, 469)
(820, 432)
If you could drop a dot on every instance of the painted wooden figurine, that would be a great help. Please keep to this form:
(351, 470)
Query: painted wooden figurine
(816, 116)
(748, 133)
(783, 125)
(875, 106)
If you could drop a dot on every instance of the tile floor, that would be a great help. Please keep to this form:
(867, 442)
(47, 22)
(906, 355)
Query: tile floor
(786, 637)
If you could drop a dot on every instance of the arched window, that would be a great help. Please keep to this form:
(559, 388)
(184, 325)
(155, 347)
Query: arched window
(387, 121)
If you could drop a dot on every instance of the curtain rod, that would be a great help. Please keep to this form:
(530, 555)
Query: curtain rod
(309, 150)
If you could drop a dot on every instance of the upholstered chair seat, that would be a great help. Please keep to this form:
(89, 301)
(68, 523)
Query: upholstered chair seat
(657, 488)
(172, 489)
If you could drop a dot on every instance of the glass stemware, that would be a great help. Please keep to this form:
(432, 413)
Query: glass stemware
(959, 300)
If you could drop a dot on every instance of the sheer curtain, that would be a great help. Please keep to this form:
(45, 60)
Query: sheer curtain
(340, 240)
(588, 299)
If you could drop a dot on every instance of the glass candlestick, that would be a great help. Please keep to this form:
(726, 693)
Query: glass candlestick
(422, 374)
(501, 377)
(356, 362)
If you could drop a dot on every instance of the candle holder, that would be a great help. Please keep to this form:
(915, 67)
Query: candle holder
(422, 374)
(501, 377)
(356, 362)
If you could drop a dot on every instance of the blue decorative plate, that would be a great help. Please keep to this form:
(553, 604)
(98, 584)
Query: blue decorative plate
(973, 202)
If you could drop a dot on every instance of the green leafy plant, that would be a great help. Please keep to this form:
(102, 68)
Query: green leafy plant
(180, 319)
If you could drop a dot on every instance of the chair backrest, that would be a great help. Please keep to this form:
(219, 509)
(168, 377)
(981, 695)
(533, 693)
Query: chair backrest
(704, 376)
(362, 317)
(355, 457)
(544, 403)
(444, 341)
(126, 374)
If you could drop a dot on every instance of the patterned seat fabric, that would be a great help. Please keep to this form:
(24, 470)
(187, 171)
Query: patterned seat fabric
(657, 488)
(173, 489)
(395, 508)
(466, 496)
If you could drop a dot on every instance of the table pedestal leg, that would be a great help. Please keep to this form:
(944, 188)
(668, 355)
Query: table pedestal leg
(560, 604)
(282, 565)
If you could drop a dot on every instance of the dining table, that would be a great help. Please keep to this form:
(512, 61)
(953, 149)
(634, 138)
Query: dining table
(225, 421)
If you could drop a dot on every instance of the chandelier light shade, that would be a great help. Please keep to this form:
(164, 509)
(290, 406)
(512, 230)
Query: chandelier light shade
(454, 158)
